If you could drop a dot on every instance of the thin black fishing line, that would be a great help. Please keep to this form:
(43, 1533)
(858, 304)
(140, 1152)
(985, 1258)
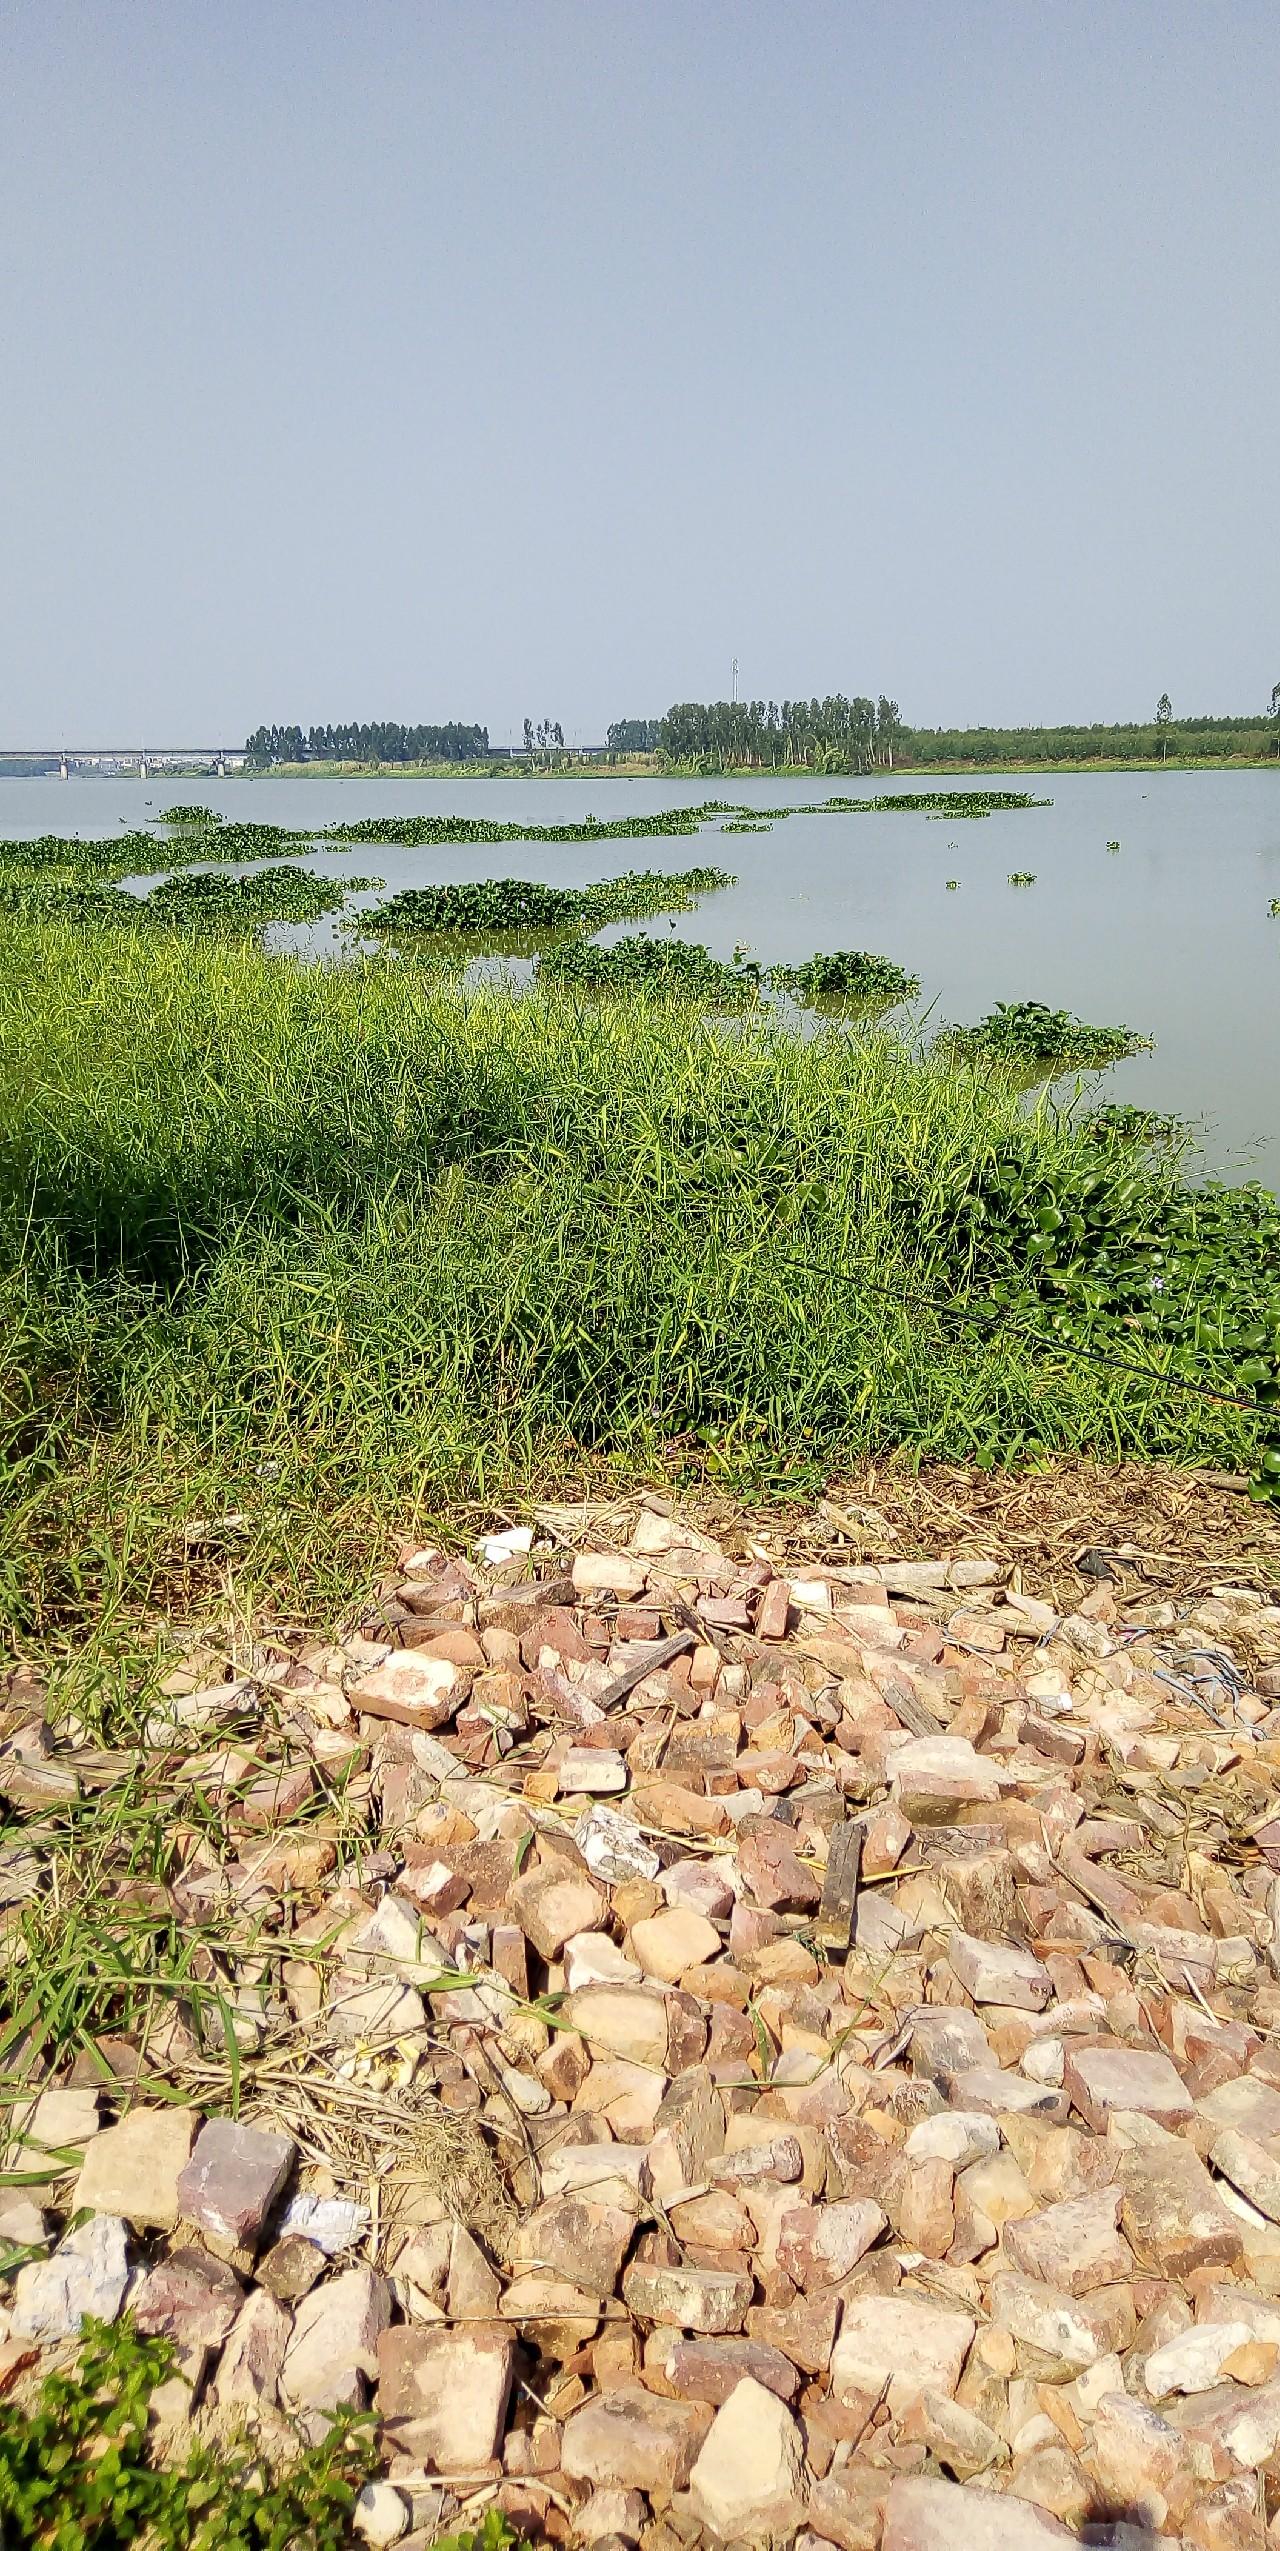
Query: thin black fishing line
(989, 1320)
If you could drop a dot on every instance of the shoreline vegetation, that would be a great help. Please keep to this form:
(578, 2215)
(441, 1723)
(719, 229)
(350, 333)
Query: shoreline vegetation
(833, 736)
(654, 766)
(293, 1253)
(292, 1256)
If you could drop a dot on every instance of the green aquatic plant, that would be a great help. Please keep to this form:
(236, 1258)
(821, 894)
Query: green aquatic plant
(1119, 1255)
(1113, 847)
(209, 899)
(639, 893)
(233, 843)
(201, 834)
(1274, 907)
(1121, 1122)
(187, 836)
(1027, 1034)
(678, 966)
(1022, 877)
(491, 904)
(953, 885)
(146, 854)
(965, 804)
(56, 854)
(425, 831)
(495, 905)
(55, 897)
(205, 899)
(1257, 1350)
(851, 974)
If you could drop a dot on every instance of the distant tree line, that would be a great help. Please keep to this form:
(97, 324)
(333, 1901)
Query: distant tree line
(823, 735)
(1162, 738)
(830, 735)
(383, 741)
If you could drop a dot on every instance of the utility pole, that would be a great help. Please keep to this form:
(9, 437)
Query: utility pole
(733, 693)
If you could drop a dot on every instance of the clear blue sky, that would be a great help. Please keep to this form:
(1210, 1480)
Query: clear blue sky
(432, 358)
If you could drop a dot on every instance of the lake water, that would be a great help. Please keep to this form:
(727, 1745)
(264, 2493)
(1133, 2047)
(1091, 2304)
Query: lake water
(1172, 936)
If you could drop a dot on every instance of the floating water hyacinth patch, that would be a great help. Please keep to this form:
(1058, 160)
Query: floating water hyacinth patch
(494, 905)
(1028, 1034)
(210, 899)
(1121, 1122)
(53, 897)
(199, 833)
(941, 804)
(1113, 847)
(965, 804)
(1112, 1240)
(851, 974)
(207, 899)
(422, 831)
(678, 966)
(1256, 1348)
(1022, 877)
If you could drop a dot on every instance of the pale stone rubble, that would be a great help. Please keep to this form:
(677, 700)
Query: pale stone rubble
(866, 1980)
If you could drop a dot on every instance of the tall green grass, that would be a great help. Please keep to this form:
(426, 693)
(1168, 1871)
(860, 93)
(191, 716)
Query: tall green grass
(324, 1248)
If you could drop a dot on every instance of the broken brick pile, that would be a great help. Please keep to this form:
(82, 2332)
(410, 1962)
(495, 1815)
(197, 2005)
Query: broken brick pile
(866, 1980)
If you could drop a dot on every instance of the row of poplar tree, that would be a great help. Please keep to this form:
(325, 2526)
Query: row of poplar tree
(383, 741)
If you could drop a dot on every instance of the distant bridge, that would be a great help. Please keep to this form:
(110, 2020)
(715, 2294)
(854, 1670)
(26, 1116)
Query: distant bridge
(146, 759)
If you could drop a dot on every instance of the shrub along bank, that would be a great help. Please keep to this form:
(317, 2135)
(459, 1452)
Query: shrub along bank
(317, 1247)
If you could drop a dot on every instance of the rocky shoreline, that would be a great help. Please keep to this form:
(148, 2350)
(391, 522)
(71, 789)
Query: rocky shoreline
(711, 2047)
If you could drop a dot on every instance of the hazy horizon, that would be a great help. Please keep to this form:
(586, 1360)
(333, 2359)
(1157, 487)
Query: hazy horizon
(538, 360)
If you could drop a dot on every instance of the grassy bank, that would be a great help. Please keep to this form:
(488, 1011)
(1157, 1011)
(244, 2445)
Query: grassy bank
(906, 765)
(553, 765)
(923, 766)
(320, 1249)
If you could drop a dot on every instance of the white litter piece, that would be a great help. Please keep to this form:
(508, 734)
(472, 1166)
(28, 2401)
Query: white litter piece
(513, 1544)
(613, 1847)
(333, 2223)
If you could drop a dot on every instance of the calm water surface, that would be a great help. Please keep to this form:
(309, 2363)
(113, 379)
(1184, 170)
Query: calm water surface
(1172, 936)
